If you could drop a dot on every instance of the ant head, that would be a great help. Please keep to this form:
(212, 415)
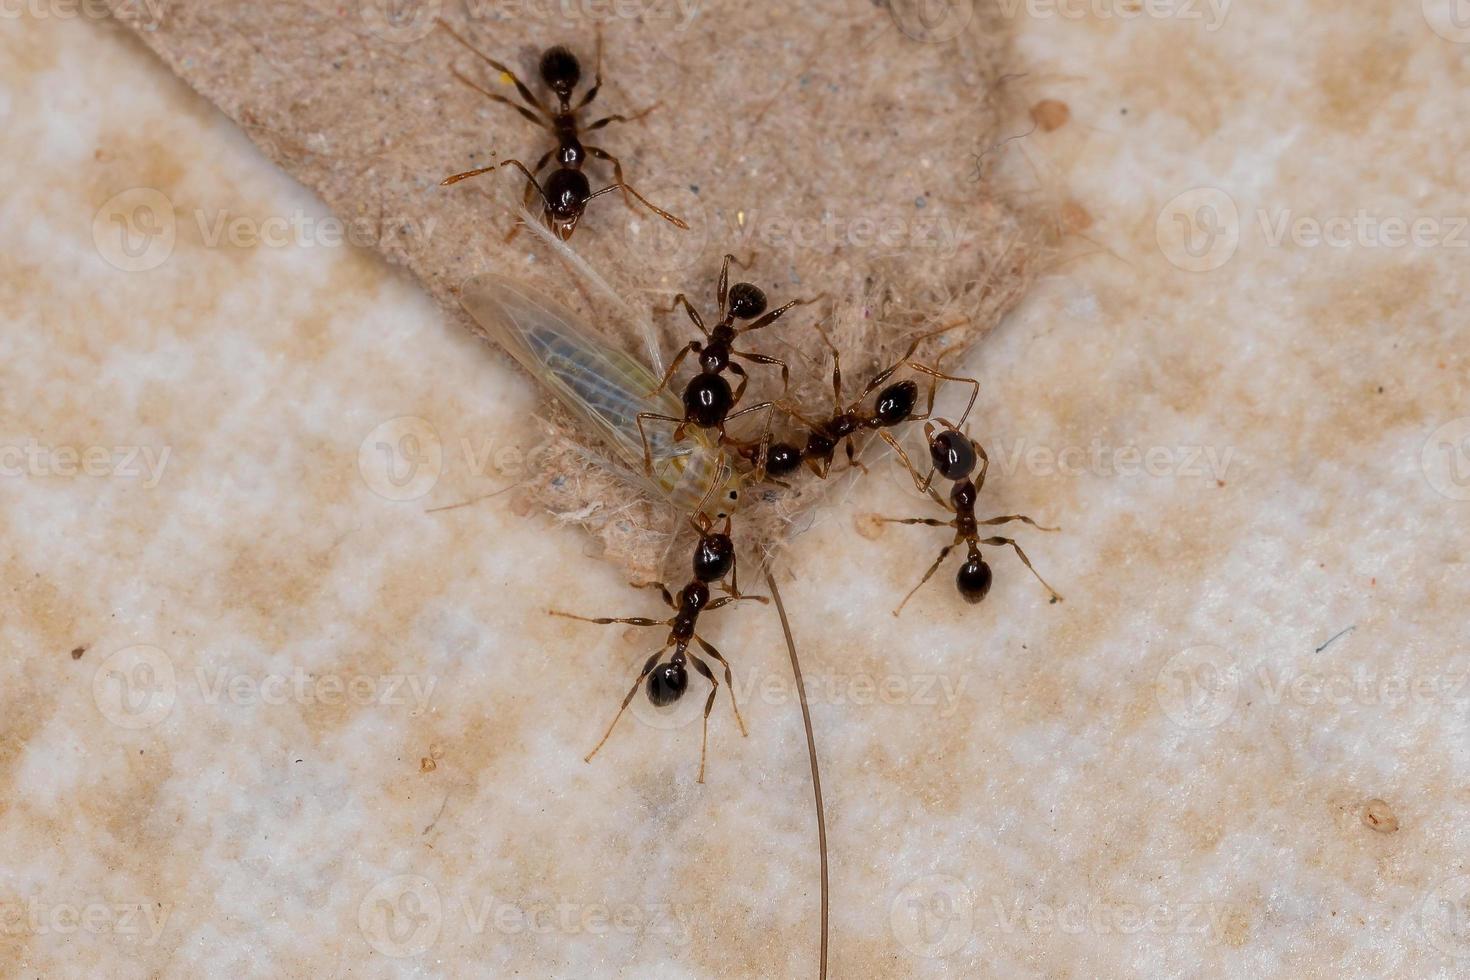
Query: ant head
(782, 458)
(747, 301)
(714, 555)
(895, 403)
(953, 454)
(566, 192)
(561, 71)
(667, 684)
(973, 579)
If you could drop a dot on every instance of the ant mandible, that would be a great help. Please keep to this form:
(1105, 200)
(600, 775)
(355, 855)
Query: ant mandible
(742, 301)
(714, 559)
(565, 194)
(954, 456)
(894, 405)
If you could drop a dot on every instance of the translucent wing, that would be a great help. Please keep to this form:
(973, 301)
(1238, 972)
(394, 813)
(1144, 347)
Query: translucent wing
(597, 382)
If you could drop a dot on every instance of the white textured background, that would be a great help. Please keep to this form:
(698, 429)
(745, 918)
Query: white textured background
(1162, 776)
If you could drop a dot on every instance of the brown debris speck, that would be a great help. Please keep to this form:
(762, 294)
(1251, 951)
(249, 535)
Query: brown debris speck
(1050, 114)
(1378, 816)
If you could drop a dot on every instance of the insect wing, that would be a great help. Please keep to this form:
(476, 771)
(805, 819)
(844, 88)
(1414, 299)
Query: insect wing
(597, 382)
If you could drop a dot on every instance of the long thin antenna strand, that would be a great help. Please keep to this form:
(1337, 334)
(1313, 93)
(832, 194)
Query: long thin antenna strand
(811, 750)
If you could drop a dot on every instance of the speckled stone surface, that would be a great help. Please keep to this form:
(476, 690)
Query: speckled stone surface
(266, 711)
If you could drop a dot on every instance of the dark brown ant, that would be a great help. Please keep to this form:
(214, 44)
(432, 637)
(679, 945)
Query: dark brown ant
(742, 301)
(714, 559)
(954, 455)
(565, 193)
(895, 404)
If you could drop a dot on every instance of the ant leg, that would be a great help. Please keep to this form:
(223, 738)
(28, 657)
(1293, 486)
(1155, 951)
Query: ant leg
(836, 372)
(852, 460)
(662, 588)
(627, 188)
(770, 408)
(922, 485)
(725, 600)
(943, 554)
(496, 97)
(456, 178)
(643, 433)
(736, 369)
(693, 314)
(766, 359)
(729, 680)
(934, 387)
(724, 290)
(691, 347)
(928, 521)
(647, 669)
(1055, 596)
(618, 117)
(709, 704)
(1016, 517)
(776, 314)
(526, 93)
(591, 93)
(979, 478)
(608, 620)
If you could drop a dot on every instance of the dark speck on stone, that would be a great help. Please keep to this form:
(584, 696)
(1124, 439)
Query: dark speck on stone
(694, 188)
(920, 201)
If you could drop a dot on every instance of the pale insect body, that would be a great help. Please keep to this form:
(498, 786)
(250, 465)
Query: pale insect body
(601, 385)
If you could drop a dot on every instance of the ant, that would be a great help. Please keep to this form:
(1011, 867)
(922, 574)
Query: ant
(714, 559)
(954, 455)
(565, 193)
(894, 405)
(742, 301)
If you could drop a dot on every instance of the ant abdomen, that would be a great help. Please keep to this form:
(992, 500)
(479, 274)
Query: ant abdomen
(707, 400)
(667, 684)
(953, 454)
(782, 458)
(973, 579)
